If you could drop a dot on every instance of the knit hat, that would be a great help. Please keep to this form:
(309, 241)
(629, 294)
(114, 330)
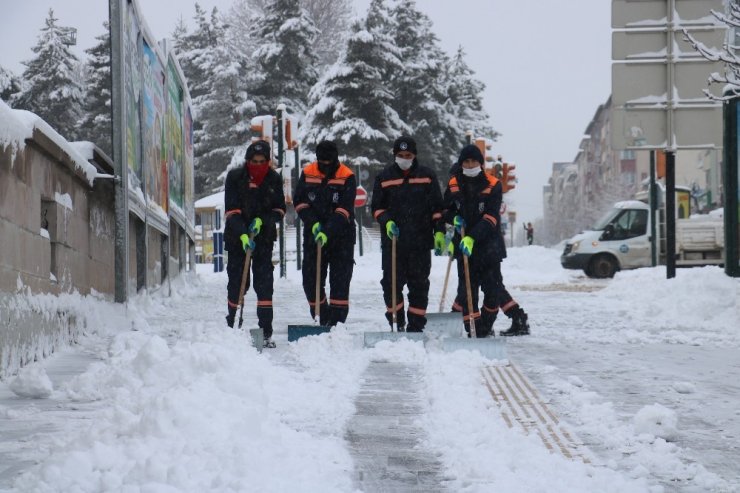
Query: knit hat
(470, 151)
(326, 150)
(404, 144)
(260, 147)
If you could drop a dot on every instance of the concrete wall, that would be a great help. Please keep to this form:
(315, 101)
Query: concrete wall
(57, 235)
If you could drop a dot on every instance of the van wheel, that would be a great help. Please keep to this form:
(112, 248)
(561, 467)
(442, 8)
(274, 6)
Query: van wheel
(602, 267)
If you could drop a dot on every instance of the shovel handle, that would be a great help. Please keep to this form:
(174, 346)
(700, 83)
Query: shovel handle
(317, 310)
(468, 290)
(394, 323)
(444, 287)
(245, 276)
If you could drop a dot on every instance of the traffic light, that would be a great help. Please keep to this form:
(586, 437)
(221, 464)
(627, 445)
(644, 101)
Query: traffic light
(263, 126)
(483, 146)
(508, 180)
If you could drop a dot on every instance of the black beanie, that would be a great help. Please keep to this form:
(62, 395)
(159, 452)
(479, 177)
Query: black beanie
(404, 144)
(470, 151)
(326, 150)
(259, 147)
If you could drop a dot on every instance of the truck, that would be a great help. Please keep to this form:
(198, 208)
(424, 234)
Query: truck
(621, 240)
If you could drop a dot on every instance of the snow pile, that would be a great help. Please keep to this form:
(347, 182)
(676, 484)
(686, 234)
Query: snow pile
(658, 421)
(703, 299)
(534, 265)
(201, 410)
(32, 382)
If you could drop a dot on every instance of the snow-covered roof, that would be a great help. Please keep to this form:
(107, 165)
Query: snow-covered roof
(18, 125)
(211, 201)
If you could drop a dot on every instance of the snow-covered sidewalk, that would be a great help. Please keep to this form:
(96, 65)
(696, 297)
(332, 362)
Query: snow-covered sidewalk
(642, 369)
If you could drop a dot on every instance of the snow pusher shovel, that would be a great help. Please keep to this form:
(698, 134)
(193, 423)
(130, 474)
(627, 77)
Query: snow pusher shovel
(295, 332)
(444, 324)
(488, 347)
(372, 338)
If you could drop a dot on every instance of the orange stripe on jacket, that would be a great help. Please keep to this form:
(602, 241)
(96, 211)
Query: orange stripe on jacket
(490, 219)
(232, 212)
(378, 213)
(390, 183)
(342, 211)
(420, 181)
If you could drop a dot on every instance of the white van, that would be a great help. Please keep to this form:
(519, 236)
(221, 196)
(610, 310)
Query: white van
(619, 240)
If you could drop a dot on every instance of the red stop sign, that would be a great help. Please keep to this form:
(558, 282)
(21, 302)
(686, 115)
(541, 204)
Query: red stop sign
(361, 197)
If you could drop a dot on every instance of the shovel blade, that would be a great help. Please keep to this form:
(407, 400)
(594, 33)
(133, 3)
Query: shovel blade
(493, 348)
(372, 338)
(445, 324)
(295, 332)
(258, 339)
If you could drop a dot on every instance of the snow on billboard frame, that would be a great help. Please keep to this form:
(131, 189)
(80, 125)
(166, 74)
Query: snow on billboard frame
(141, 147)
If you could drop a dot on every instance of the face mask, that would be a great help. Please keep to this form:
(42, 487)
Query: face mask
(471, 172)
(257, 172)
(404, 164)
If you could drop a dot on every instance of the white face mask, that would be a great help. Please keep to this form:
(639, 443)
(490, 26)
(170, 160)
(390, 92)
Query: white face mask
(404, 164)
(471, 172)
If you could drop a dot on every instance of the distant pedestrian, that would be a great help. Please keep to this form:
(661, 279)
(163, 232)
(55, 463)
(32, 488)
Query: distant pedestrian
(530, 233)
(324, 199)
(255, 202)
(407, 202)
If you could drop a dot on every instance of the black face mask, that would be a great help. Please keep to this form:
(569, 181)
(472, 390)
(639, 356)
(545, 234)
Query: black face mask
(328, 169)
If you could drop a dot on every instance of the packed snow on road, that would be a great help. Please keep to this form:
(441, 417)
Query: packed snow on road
(160, 395)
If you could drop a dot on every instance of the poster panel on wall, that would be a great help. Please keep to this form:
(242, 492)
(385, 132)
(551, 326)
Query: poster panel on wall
(188, 168)
(132, 92)
(174, 137)
(154, 153)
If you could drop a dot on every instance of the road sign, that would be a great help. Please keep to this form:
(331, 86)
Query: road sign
(361, 197)
(658, 78)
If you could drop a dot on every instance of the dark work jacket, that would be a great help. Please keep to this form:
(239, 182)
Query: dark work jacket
(246, 201)
(327, 199)
(413, 200)
(478, 201)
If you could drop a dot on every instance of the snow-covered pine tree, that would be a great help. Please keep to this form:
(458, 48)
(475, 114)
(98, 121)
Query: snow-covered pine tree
(220, 102)
(95, 124)
(52, 90)
(224, 117)
(352, 103)
(9, 84)
(419, 87)
(285, 67)
(465, 99)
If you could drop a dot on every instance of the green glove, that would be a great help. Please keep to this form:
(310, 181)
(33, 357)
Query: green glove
(391, 229)
(459, 223)
(256, 226)
(451, 248)
(439, 243)
(316, 228)
(466, 245)
(247, 243)
(320, 238)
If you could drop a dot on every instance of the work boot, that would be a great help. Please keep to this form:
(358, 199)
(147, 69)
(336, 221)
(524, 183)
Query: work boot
(267, 337)
(519, 323)
(230, 317)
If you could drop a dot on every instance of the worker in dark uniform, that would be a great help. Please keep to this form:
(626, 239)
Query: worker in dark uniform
(472, 202)
(504, 301)
(255, 202)
(407, 202)
(324, 199)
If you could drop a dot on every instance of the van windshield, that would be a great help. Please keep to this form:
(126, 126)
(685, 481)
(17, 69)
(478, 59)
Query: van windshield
(605, 219)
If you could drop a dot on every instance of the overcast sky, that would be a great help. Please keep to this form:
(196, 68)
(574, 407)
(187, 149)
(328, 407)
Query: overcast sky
(546, 65)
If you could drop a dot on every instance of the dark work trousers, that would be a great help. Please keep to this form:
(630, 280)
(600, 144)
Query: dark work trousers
(412, 270)
(263, 282)
(503, 301)
(484, 274)
(337, 260)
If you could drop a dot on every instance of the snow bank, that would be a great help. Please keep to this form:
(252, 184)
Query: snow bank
(32, 382)
(13, 133)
